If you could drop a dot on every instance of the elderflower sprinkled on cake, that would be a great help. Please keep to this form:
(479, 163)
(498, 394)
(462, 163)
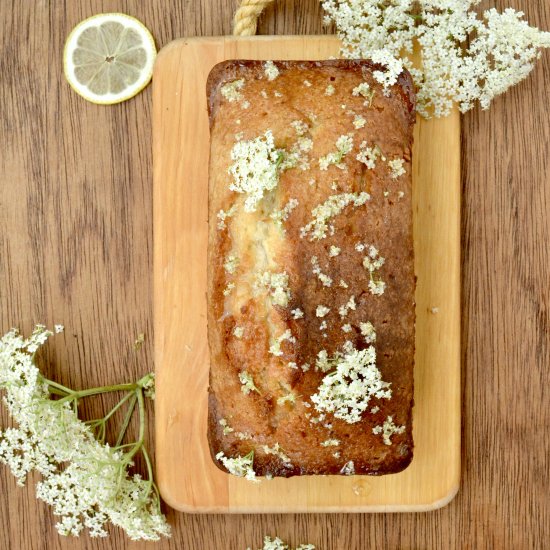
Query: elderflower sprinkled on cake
(317, 228)
(241, 466)
(365, 91)
(330, 443)
(271, 70)
(344, 144)
(282, 215)
(375, 409)
(377, 288)
(367, 330)
(224, 214)
(400, 195)
(348, 347)
(255, 168)
(348, 469)
(307, 83)
(226, 428)
(329, 90)
(290, 397)
(396, 168)
(277, 286)
(347, 389)
(277, 451)
(368, 155)
(231, 263)
(263, 93)
(297, 313)
(359, 121)
(387, 430)
(343, 284)
(229, 287)
(238, 332)
(347, 328)
(276, 93)
(323, 363)
(466, 56)
(247, 382)
(321, 310)
(231, 90)
(275, 348)
(334, 251)
(292, 365)
(372, 263)
(344, 309)
(325, 279)
(301, 128)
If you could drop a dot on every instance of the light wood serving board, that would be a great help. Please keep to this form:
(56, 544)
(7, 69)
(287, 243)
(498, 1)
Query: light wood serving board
(187, 477)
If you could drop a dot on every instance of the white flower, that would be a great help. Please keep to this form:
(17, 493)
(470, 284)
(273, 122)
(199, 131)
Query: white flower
(240, 466)
(367, 330)
(344, 145)
(465, 58)
(347, 389)
(387, 430)
(86, 482)
(277, 286)
(317, 228)
(396, 167)
(255, 168)
(321, 310)
(368, 155)
(278, 544)
(231, 90)
(297, 313)
(247, 382)
(271, 70)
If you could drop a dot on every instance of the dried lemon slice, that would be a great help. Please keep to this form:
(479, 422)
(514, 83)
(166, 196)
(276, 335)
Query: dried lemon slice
(109, 58)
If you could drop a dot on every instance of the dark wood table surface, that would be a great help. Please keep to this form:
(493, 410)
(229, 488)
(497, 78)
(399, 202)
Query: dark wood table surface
(76, 249)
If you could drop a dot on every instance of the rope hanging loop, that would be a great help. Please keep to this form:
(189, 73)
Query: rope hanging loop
(245, 21)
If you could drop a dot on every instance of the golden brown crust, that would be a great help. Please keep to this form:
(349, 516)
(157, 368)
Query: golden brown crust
(256, 419)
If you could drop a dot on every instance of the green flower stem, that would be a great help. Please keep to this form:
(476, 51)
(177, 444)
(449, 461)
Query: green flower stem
(96, 391)
(57, 386)
(127, 418)
(117, 406)
(141, 436)
(55, 391)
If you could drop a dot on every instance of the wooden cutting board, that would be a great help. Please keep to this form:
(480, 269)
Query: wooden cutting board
(188, 479)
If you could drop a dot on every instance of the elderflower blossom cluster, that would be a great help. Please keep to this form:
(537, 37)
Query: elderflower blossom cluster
(347, 390)
(278, 544)
(317, 228)
(240, 466)
(255, 168)
(84, 481)
(465, 57)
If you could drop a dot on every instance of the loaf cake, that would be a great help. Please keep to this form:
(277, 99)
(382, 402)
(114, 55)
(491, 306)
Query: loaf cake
(310, 269)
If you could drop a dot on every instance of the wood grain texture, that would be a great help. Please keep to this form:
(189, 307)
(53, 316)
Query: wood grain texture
(76, 247)
(188, 479)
